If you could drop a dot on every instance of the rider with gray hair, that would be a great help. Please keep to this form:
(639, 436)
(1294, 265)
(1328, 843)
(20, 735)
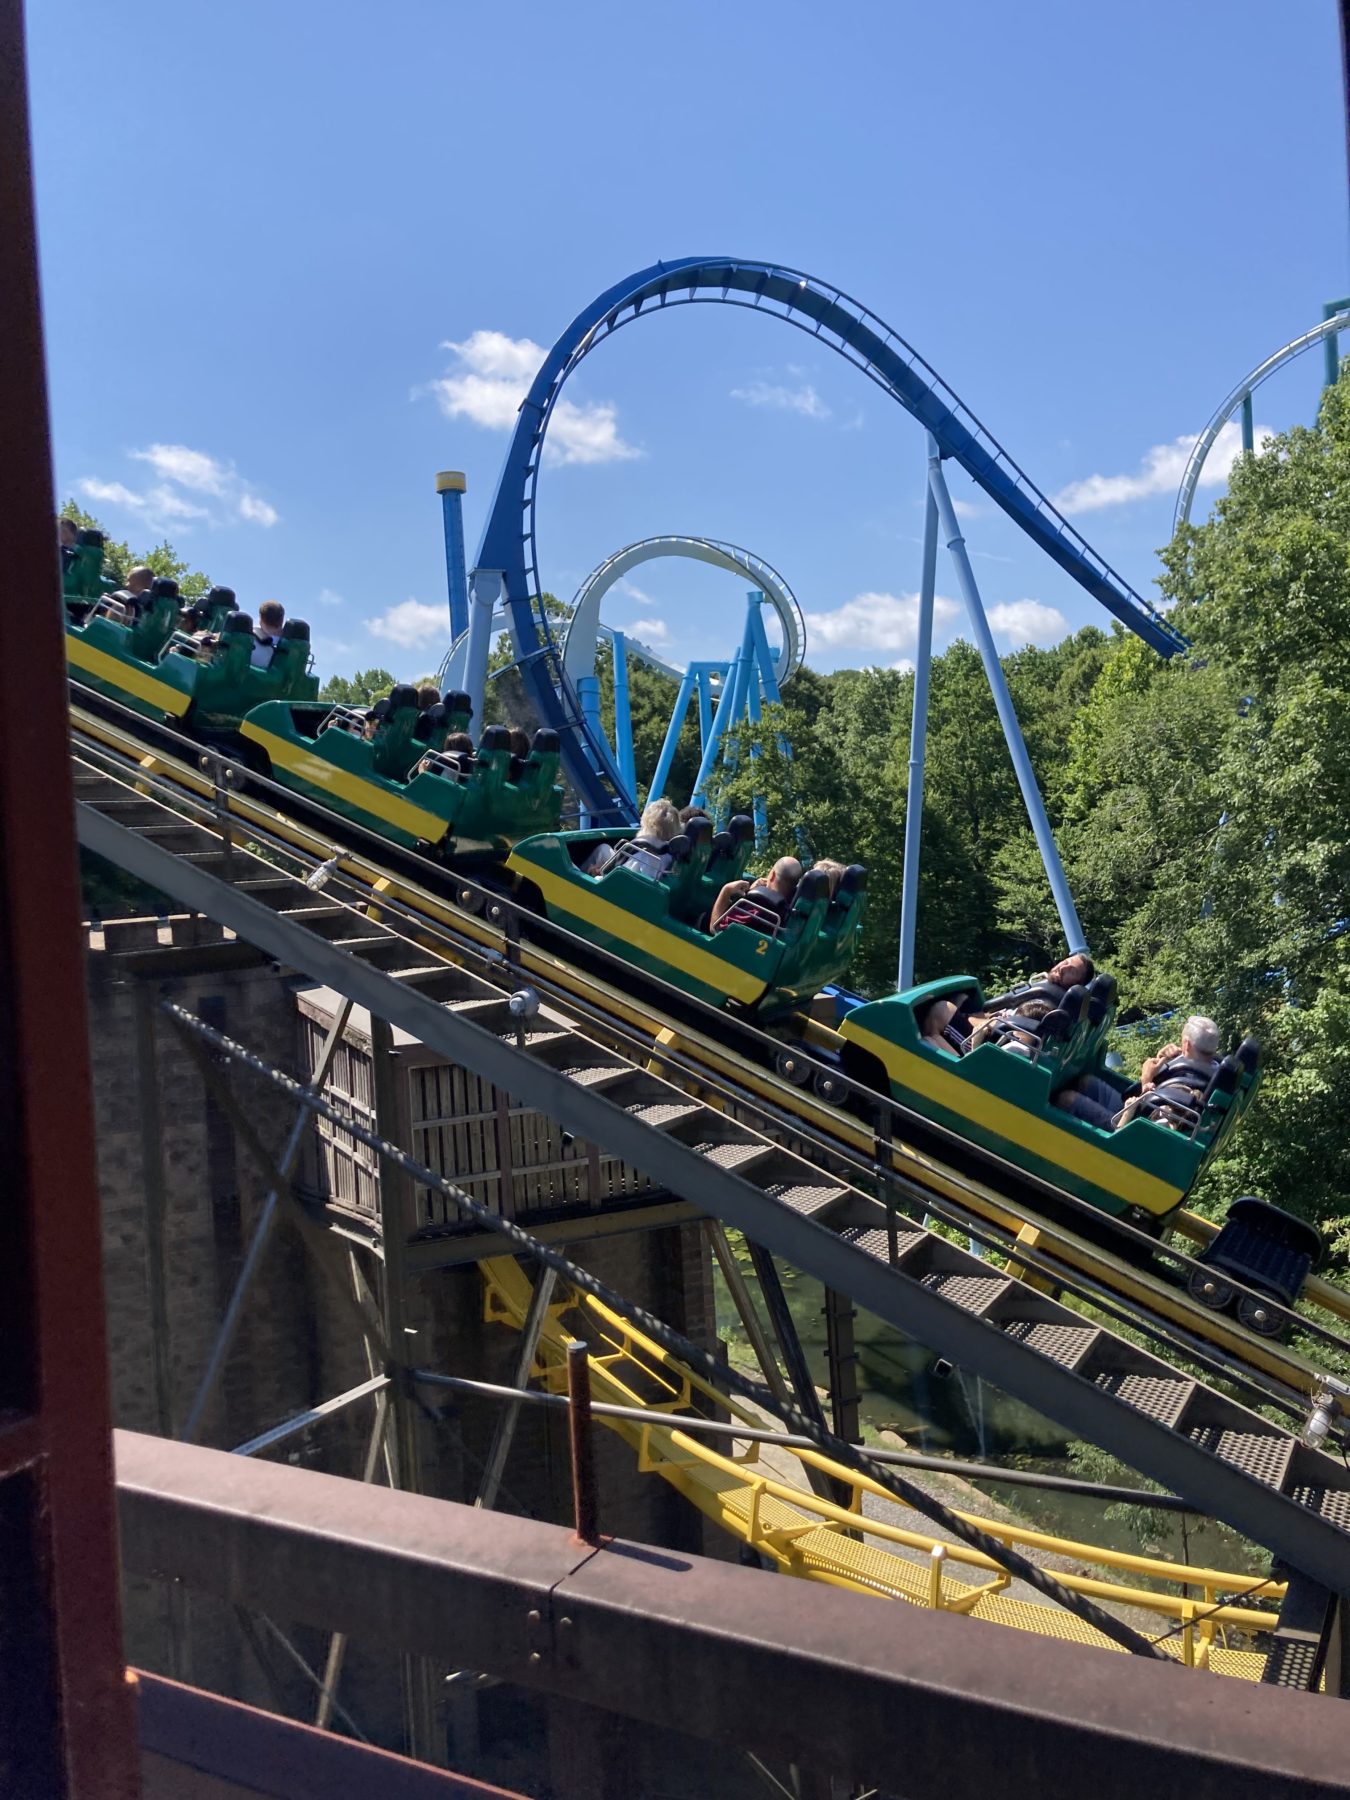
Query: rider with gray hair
(1174, 1081)
(660, 822)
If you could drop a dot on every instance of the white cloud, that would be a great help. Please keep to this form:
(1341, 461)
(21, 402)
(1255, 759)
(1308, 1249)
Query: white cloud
(1027, 622)
(654, 631)
(162, 503)
(1159, 472)
(411, 623)
(804, 399)
(180, 468)
(257, 510)
(905, 666)
(327, 597)
(492, 376)
(624, 586)
(158, 504)
(965, 509)
(111, 493)
(189, 468)
(875, 622)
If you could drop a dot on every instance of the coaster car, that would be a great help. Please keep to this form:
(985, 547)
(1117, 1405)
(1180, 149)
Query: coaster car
(402, 784)
(658, 920)
(115, 647)
(131, 650)
(1264, 1248)
(999, 1097)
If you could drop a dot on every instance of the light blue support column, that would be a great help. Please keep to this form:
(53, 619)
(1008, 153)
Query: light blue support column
(728, 709)
(673, 730)
(918, 737)
(1026, 778)
(450, 486)
(623, 714)
(758, 809)
(706, 671)
(486, 593)
(759, 644)
(588, 700)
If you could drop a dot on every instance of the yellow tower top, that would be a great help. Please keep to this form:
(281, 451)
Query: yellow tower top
(450, 481)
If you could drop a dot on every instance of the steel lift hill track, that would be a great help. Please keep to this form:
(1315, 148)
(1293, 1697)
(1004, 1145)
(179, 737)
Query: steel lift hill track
(1224, 1458)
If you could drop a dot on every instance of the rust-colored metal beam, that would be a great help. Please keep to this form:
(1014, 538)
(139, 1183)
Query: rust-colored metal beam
(790, 1670)
(66, 1717)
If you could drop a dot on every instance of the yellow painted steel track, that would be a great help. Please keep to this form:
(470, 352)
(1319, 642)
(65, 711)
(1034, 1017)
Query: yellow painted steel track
(801, 1534)
(1138, 1288)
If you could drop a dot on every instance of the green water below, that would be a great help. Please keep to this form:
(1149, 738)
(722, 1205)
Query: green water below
(955, 1414)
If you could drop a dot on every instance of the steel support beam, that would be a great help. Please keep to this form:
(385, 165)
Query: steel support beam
(842, 1353)
(803, 1388)
(198, 1746)
(509, 1417)
(742, 1300)
(1300, 1537)
(1298, 1645)
(268, 1440)
(337, 1644)
(263, 1226)
(790, 1671)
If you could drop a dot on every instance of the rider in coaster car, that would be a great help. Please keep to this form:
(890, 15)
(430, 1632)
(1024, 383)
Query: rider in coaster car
(430, 713)
(949, 1024)
(1178, 1076)
(659, 824)
(762, 904)
(135, 592)
(1015, 1029)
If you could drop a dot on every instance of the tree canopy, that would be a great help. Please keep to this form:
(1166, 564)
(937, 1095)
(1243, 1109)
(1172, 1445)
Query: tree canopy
(162, 558)
(362, 688)
(1201, 805)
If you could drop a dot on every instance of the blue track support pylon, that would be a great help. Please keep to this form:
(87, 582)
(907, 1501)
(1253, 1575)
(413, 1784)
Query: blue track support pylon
(623, 714)
(1012, 731)
(918, 732)
(661, 774)
(730, 703)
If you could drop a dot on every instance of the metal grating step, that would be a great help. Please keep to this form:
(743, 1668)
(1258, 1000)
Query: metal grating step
(602, 1075)
(878, 1243)
(732, 1156)
(663, 1113)
(533, 1036)
(1332, 1503)
(1067, 1344)
(805, 1197)
(973, 1293)
(1162, 1397)
(427, 977)
(1264, 1455)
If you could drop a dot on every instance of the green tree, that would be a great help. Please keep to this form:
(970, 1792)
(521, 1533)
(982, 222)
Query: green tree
(162, 558)
(362, 688)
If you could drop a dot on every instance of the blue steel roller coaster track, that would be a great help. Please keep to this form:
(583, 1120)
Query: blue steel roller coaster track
(509, 542)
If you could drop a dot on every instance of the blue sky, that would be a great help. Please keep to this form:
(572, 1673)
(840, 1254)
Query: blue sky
(296, 256)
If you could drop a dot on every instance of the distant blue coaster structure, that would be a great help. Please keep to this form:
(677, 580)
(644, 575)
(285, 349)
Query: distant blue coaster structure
(723, 690)
(506, 573)
(1335, 320)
